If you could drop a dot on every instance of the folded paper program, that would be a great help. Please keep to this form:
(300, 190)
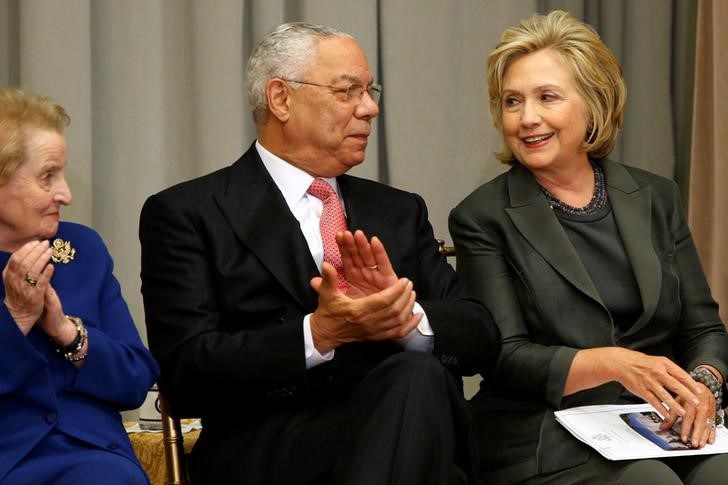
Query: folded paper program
(628, 432)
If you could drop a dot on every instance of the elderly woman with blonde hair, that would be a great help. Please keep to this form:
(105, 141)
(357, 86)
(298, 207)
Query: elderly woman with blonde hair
(71, 357)
(589, 270)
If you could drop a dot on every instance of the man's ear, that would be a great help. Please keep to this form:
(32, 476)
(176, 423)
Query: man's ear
(277, 92)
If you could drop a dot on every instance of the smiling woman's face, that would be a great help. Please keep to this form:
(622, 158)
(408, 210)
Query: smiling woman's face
(30, 201)
(544, 116)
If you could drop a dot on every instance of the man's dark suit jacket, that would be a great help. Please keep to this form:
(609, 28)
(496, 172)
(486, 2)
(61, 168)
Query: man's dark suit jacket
(514, 255)
(225, 279)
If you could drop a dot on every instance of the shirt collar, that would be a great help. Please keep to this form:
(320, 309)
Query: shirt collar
(291, 180)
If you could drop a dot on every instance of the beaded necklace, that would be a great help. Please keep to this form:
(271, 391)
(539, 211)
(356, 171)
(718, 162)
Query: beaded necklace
(599, 196)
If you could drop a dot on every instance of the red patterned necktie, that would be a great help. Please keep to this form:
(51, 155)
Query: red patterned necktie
(332, 221)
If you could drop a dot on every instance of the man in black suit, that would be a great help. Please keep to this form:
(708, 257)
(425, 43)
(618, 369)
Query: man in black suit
(308, 367)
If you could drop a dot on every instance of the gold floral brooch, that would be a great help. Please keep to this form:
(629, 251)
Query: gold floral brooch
(62, 251)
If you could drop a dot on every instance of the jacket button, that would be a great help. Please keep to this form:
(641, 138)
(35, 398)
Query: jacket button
(50, 418)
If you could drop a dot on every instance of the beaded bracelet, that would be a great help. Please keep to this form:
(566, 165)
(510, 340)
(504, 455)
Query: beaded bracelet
(704, 376)
(70, 351)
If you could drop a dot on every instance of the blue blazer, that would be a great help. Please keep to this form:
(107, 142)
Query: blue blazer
(40, 391)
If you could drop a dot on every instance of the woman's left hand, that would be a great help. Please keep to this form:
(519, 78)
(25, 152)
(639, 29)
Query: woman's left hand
(694, 428)
(54, 322)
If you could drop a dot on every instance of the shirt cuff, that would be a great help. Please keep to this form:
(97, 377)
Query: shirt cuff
(422, 338)
(313, 356)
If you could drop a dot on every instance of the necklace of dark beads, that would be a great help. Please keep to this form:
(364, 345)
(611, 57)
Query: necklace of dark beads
(599, 196)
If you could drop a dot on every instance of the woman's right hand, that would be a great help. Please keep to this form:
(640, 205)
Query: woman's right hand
(25, 301)
(657, 380)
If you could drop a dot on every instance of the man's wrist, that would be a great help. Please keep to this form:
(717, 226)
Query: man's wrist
(311, 354)
(322, 344)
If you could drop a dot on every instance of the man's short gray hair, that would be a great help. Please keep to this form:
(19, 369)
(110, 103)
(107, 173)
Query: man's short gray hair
(284, 53)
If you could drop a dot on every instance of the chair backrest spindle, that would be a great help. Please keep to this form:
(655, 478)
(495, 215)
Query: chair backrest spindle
(174, 452)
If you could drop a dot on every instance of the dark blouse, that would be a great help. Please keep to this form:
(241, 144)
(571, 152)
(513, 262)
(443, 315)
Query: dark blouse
(599, 245)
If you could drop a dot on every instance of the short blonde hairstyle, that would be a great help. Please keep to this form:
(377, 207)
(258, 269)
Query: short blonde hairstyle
(597, 74)
(20, 111)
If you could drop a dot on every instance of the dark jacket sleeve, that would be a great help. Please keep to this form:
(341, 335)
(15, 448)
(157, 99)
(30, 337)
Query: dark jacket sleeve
(700, 336)
(525, 367)
(118, 367)
(466, 337)
(208, 355)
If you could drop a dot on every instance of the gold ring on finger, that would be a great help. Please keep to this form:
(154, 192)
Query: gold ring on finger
(373, 267)
(30, 280)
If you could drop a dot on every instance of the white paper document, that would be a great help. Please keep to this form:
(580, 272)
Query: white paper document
(628, 432)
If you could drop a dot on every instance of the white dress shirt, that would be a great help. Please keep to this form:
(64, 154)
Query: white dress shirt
(293, 184)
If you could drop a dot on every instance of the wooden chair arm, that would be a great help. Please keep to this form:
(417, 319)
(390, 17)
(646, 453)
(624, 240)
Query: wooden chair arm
(446, 251)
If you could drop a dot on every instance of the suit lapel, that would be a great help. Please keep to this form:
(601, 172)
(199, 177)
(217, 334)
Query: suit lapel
(632, 206)
(260, 217)
(536, 222)
(365, 211)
